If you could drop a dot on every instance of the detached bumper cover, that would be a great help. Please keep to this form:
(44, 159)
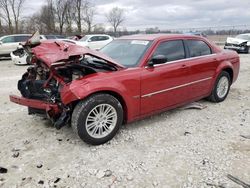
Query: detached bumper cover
(236, 48)
(38, 104)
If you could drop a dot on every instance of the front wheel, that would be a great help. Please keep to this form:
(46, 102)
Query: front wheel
(221, 88)
(97, 119)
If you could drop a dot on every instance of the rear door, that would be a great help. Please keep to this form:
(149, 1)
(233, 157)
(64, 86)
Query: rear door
(164, 85)
(202, 63)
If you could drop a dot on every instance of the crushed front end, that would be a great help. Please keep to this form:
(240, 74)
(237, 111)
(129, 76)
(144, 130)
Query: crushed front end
(45, 87)
(40, 92)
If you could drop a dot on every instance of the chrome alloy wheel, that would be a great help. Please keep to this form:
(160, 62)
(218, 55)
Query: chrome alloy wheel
(222, 87)
(101, 121)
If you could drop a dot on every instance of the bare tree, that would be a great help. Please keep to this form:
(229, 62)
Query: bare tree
(6, 14)
(83, 14)
(88, 15)
(115, 17)
(16, 6)
(61, 7)
(78, 4)
(10, 12)
(47, 18)
(69, 19)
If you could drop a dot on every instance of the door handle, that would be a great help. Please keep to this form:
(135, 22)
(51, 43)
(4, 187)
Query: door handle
(183, 66)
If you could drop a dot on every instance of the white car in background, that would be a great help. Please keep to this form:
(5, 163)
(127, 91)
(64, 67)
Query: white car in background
(94, 42)
(240, 43)
(20, 57)
(9, 43)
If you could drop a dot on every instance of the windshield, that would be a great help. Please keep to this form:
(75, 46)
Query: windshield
(244, 37)
(126, 52)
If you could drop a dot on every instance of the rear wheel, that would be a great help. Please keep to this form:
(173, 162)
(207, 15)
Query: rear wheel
(97, 119)
(221, 87)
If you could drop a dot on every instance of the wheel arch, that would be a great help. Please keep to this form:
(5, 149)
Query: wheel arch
(229, 70)
(114, 94)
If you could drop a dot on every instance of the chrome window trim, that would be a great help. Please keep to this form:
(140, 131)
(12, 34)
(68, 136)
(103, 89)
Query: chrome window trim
(181, 60)
(175, 87)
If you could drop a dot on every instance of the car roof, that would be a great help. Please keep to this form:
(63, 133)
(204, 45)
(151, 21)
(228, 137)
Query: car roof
(245, 34)
(158, 36)
(17, 35)
(96, 35)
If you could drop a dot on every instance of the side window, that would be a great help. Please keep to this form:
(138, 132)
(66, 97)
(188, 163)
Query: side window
(198, 48)
(8, 39)
(173, 50)
(95, 38)
(103, 38)
(21, 38)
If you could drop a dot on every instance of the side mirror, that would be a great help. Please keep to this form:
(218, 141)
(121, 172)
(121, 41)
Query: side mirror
(158, 59)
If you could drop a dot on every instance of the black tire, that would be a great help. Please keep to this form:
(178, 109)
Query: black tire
(84, 108)
(248, 50)
(214, 97)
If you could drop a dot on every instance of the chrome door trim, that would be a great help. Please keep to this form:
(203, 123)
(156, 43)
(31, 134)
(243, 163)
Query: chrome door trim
(175, 87)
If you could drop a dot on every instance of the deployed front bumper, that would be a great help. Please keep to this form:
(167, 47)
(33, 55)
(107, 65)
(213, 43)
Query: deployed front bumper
(50, 109)
(18, 60)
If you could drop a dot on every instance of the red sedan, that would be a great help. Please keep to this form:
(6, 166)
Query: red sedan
(130, 78)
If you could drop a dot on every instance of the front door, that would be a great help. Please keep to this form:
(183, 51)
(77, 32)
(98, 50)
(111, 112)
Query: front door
(165, 85)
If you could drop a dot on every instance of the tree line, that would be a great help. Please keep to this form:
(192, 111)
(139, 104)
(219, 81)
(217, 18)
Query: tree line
(57, 17)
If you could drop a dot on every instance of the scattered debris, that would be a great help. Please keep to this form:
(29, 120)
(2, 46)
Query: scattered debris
(245, 136)
(155, 183)
(100, 174)
(205, 161)
(57, 180)
(214, 185)
(194, 105)
(59, 139)
(41, 182)
(15, 154)
(26, 142)
(3, 170)
(15, 149)
(40, 165)
(108, 173)
(130, 178)
(237, 181)
(186, 133)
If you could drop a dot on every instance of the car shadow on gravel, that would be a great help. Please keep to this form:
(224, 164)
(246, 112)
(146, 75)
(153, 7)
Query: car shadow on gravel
(161, 117)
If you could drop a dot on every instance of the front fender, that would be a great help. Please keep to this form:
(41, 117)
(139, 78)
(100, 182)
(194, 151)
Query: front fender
(80, 89)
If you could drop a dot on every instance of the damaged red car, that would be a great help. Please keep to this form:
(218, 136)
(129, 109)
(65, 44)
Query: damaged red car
(130, 78)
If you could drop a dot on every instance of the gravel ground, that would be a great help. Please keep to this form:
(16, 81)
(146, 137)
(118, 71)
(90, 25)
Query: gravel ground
(178, 148)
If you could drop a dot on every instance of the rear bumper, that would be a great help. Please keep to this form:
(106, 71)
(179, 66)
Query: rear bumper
(51, 109)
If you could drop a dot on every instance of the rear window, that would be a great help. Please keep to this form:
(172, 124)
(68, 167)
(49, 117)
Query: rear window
(198, 48)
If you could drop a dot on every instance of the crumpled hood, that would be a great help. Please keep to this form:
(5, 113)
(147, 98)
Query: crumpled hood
(231, 40)
(51, 51)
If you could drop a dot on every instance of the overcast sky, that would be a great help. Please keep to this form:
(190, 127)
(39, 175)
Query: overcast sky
(166, 14)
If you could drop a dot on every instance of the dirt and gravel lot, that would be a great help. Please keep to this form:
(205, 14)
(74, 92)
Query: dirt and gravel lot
(178, 148)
